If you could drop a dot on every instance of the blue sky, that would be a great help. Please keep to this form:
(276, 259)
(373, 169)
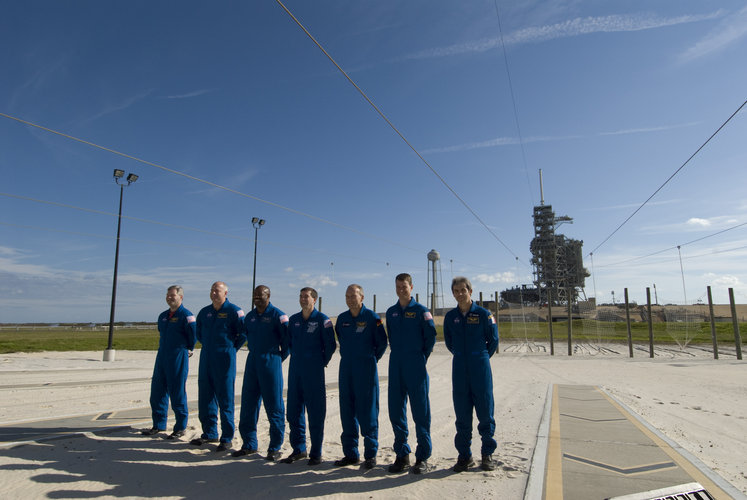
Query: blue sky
(228, 110)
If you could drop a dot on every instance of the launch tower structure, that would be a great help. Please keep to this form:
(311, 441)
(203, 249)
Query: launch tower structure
(557, 261)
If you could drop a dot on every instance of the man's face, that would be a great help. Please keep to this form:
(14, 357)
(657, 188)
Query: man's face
(462, 294)
(261, 297)
(173, 299)
(404, 290)
(306, 300)
(218, 293)
(353, 298)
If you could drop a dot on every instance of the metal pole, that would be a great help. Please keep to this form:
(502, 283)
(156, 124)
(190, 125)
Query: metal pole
(549, 321)
(374, 304)
(650, 324)
(254, 271)
(320, 302)
(114, 281)
(737, 337)
(627, 321)
(570, 322)
(713, 323)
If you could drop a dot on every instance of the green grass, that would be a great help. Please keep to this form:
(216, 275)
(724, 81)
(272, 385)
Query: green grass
(664, 333)
(69, 338)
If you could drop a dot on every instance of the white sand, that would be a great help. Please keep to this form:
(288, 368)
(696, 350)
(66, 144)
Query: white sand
(695, 400)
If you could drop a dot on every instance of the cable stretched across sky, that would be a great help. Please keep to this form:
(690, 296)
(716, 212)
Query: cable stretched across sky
(204, 181)
(396, 130)
(670, 177)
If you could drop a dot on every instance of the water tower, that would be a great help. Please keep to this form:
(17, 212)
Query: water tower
(434, 264)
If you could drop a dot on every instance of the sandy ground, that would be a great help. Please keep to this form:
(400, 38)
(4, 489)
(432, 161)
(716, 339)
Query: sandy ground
(698, 402)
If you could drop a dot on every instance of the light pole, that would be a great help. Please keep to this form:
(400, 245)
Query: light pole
(257, 223)
(118, 175)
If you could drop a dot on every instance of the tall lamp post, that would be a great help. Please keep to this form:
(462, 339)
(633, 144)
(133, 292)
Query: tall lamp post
(257, 223)
(118, 175)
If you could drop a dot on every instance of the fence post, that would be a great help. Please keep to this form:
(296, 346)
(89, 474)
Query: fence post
(737, 337)
(549, 321)
(627, 321)
(713, 323)
(650, 324)
(570, 321)
(497, 349)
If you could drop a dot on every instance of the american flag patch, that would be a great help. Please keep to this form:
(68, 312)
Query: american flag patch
(328, 323)
(240, 313)
(428, 316)
(284, 318)
(190, 319)
(492, 319)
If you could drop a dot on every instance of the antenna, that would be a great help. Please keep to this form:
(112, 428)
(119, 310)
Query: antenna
(542, 190)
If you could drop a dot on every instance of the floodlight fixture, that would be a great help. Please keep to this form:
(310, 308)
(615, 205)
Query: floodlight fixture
(118, 174)
(131, 178)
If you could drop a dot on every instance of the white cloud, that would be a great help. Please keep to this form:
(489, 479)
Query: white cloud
(732, 29)
(504, 277)
(288, 269)
(695, 221)
(187, 95)
(565, 29)
(512, 141)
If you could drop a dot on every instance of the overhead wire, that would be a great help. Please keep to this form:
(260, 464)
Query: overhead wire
(513, 101)
(164, 224)
(670, 177)
(675, 246)
(395, 129)
(204, 181)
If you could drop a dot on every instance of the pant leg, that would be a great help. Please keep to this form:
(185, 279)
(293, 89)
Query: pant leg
(349, 436)
(250, 401)
(367, 406)
(295, 416)
(397, 397)
(225, 381)
(315, 397)
(159, 399)
(271, 386)
(207, 404)
(462, 396)
(418, 392)
(177, 380)
(482, 395)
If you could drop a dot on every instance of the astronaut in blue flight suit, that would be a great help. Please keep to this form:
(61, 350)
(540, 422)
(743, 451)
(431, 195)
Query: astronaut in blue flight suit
(412, 336)
(267, 339)
(176, 327)
(220, 329)
(471, 335)
(363, 342)
(312, 343)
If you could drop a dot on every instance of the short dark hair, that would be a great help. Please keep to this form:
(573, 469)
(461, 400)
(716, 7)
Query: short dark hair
(459, 280)
(404, 277)
(311, 291)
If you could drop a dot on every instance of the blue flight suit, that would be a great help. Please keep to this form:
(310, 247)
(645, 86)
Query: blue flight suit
(362, 344)
(221, 333)
(412, 336)
(267, 340)
(177, 337)
(312, 343)
(472, 338)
